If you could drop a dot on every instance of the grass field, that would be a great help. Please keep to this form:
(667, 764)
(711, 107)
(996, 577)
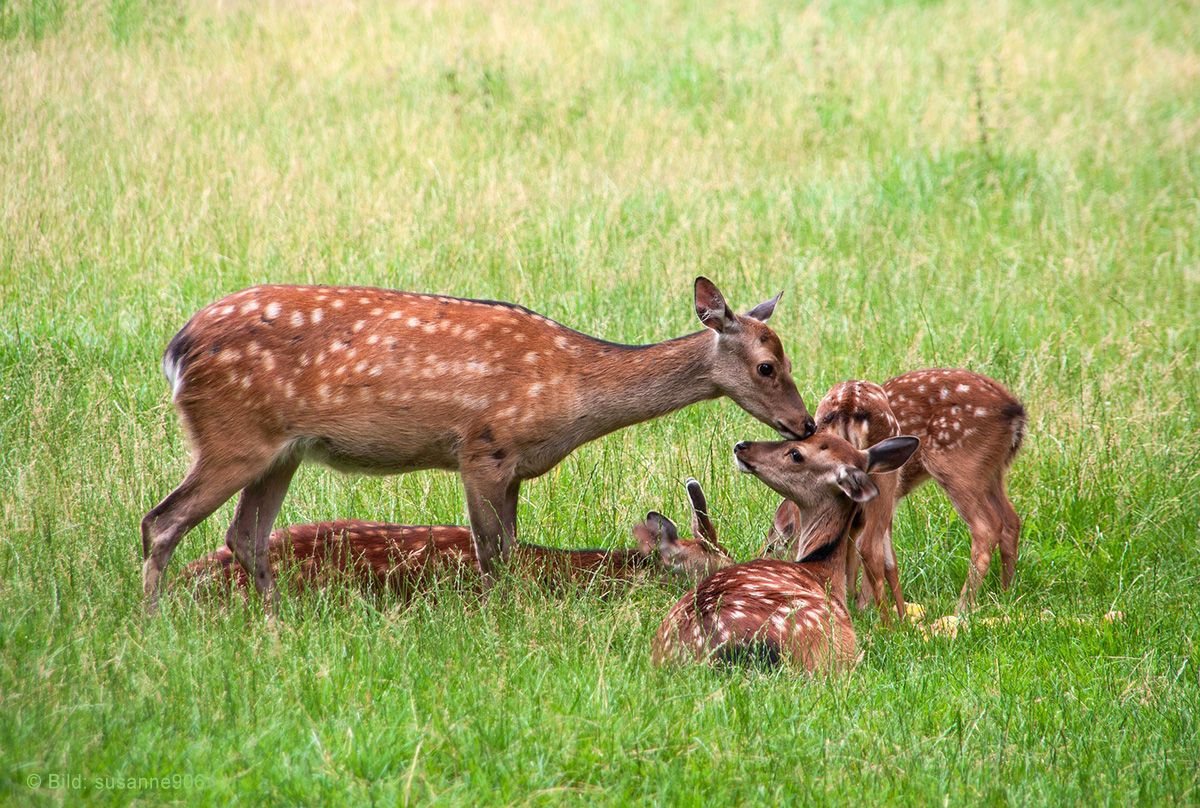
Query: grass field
(1010, 187)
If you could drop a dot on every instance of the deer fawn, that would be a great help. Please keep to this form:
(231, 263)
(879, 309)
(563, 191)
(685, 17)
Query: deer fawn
(776, 610)
(970, 429)
(402, 558)
(386, 382)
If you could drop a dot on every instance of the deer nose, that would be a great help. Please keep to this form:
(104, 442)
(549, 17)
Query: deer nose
(810, 426)
(741, 446)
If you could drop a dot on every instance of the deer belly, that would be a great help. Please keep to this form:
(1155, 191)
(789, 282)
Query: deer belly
(380, 453)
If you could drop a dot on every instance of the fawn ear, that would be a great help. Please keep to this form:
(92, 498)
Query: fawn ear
(891, 453)
(711, 307)
(856, 484)
(763, 311)
(702, 526)
(664, 529)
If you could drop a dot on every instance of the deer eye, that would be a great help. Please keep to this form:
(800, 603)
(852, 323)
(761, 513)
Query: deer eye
(766, 370)
(796, 456)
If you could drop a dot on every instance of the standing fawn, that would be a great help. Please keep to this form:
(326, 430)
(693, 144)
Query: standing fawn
(775, 610)
(970, 429)
(403, 558)
(387, 382)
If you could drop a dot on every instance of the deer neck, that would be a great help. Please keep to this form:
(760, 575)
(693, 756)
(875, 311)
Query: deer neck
(821, 546)
(626, 385)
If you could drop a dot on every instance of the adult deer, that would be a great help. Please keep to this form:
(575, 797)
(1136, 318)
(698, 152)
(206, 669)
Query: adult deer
(773, 610)
(971, 429)
(385, 382)
(377, 556)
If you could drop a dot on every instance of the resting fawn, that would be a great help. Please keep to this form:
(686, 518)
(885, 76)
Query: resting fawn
(386, 382)
(792, 611)
(376, 556)
(970, 429)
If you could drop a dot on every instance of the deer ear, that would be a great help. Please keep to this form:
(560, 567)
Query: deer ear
(763, 311)
(664, 529)
(711, 307)
(702, 526)
(856, 484)
(891, 453)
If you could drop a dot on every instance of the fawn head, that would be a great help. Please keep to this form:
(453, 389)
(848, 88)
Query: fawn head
(694, 558)
(825, 467)
(749, 365)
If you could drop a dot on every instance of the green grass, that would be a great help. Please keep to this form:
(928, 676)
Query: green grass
(1007, 187)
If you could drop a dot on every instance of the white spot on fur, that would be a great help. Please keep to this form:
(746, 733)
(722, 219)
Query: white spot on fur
(413, 322)
(338, 303)
(297, 319)
(963, 388)
(250, 306)
(375, 312)
(272, 310)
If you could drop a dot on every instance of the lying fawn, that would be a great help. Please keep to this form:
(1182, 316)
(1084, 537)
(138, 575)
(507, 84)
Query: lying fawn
(377, 556)
(386, 382)
(970, 429)
(777, 610)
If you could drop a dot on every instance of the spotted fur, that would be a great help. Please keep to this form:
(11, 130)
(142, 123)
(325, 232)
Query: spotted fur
(970, 429)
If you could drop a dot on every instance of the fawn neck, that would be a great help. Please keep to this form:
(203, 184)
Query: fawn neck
(821, 544)
(627, 385)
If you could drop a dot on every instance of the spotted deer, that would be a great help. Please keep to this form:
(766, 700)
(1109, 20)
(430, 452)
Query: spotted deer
(970, 428)
(382, 381)
(377, 557)
(773, 610)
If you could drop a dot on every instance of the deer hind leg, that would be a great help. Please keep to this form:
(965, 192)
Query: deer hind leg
(892, 572)
(1010, 533)
(492, 508)
(205, 488)
(250, 531)
(975, 507)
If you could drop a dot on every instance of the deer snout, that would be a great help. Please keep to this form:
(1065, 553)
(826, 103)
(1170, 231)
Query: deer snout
(806, 428)
(740, 449)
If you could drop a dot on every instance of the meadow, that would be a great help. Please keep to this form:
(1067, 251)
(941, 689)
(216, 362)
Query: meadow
(1009, 187)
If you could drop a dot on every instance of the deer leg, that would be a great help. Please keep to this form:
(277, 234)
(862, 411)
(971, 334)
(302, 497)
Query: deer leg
(976, 509)
(202, 491)
(250, 531)
(852, 564)
(873, 575)
(492, 508)
(892, 572)
(1010, 533)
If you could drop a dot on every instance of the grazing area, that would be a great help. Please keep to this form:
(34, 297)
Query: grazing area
(1009, 188)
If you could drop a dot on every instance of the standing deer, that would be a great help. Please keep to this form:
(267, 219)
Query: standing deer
(970, 429)
(385, 382)
(379, 557)
(772, 610)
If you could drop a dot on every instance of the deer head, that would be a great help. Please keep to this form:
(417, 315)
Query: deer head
(749, 365)
(823, 469)
(694, 558)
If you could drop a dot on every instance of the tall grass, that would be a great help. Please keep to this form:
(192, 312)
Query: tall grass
(1007, 187)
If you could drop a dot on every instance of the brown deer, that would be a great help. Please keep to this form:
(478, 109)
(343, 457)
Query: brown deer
(382, 381)
(772, 610)
(970, 428)
(378, 557)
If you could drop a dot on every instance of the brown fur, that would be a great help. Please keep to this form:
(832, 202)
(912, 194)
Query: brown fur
(970, 429)
(403, 559)
(780, 610)
(384, 382)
